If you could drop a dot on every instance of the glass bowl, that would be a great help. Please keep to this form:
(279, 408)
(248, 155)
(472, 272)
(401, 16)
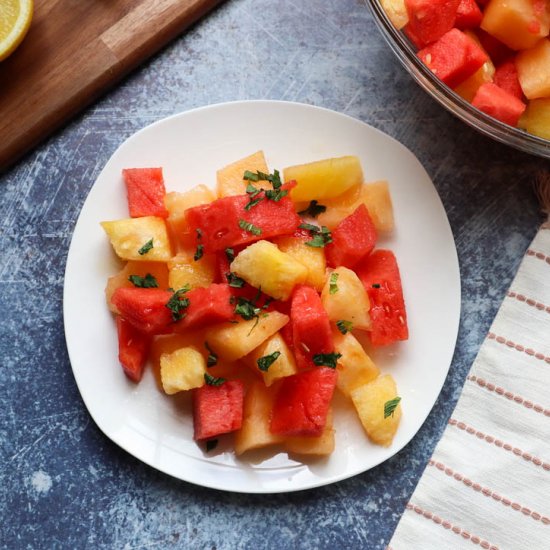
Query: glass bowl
(459, 107)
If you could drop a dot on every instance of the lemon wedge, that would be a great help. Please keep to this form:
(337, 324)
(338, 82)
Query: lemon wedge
(15, 20)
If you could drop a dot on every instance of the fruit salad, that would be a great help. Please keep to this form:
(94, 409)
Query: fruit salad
(261, 299)
(493, 53)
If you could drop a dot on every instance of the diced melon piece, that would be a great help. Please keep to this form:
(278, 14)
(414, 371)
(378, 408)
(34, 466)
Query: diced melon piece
(182, 369)
(184, 270)
(537, 118)
(348, 198)
(255, 432)
(177, 204)
(284, 364)
(303, 402)
(506, 77)
(533, 68)
(264, 266)
(454, 57)
(374, 195)
(324, 178)
(355, 367)
(311, 257)
(397, 12)
(344, 298)
(146, 191)
(322, 445)
(429, 20)
(498, 103)
(470, 86)
(217, 409)
(230, 178)
(231, 341)
(468, 15)
(130, 236)
(515, 23)
(370, 401)
(157, 269)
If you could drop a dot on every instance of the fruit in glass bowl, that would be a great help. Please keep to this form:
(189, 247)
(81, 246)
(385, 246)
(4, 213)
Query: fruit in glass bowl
(487, 61)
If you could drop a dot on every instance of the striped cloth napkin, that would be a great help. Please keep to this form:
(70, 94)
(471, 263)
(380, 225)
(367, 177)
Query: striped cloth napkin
(488, 481)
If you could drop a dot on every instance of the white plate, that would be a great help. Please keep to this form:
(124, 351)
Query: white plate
(190, 147)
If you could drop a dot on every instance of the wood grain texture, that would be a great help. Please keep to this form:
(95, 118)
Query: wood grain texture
(76, 50)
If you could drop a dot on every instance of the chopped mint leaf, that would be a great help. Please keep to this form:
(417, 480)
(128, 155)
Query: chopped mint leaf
(148, 281)
(326, 359)
(267, 360)
(313, 210)
(146, 247)
(390, 406)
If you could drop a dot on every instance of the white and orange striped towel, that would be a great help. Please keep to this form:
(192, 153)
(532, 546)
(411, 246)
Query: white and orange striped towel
(488, 481)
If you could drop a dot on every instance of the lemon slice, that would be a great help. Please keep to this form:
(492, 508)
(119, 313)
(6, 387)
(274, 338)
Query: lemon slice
(15, 20)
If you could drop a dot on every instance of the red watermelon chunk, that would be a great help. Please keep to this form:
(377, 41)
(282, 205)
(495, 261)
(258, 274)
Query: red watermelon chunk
(217, 409)
(454, 57)
(207, 306)
(144, 308)
(506, 77)
(145, 188)
(352, 239)
(133, 348)
(225, 223)
(498, 103)
(429, 20)
(222, 266)
(468, 15)
(380, 276)
(302, 403)
(311, 332)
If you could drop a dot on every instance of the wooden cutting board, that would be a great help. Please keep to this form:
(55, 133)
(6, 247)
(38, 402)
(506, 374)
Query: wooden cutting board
(74, 51)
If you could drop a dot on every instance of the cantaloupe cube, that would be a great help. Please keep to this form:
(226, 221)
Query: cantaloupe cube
(533, 66)
(184, 270)
(322, 445)
(255, 432)
(348, 198)
(230, 178)
(231, 341)
(311, 257)
(370, 401)
(355, 367)
(177, 204)
(324, 179)
(344, 298)
(284, 364)
(264, 266)
(183, 369)
(158, 270)
(130, 238)
(536, 119)
(397, 12)
(516, 23)
(374, 195)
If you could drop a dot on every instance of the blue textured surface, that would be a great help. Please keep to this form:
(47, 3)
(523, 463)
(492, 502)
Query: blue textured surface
(62, 483)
